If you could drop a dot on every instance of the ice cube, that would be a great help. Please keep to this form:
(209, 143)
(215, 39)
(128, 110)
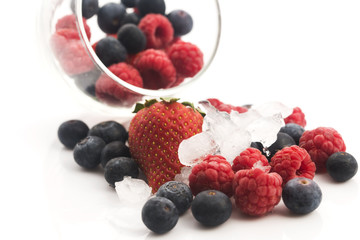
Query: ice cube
(271, 108)
(132, 191)
(242, 120)
(184, 175)
(192, 151)
(265, 129)
(236, 142)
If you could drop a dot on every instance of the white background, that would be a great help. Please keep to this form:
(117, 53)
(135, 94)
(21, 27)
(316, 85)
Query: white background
(302, 53)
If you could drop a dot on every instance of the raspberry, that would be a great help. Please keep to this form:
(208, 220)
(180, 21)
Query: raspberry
(186, 57)
(219, 105)
(214, 173)
(297, 117)
(155, 68)
(321, 143)
(112, 92)
(248, 158)
(292, 162)
(69, 22)
(256, 191)
(157, 29)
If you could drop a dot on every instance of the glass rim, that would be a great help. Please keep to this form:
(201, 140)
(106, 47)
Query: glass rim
(143, 91)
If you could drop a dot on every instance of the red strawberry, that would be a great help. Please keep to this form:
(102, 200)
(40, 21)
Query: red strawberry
(155, 133)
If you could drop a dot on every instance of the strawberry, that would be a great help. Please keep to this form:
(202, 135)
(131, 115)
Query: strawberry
(155, 133)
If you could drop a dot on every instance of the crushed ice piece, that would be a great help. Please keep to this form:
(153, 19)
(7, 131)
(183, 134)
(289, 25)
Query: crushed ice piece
(194, 150)
(229, 134)
(132, 191)
(259, 164)
(184, 175)
(271, 108)
(265, 129)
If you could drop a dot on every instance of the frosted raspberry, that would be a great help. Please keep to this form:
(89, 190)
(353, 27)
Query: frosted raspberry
(113, 93)
(157, 30)
(155, 68)
(256, 192)
(219, 105)
(291, 162)
(248, 158)
(186, 57)
(69, 22)
(214, 173)
(321, 143)
(297, 116)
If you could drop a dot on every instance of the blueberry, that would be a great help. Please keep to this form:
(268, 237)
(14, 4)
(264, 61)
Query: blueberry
(87, 152)
(71, 132)
(130, 18)
(301, 195)
(341, 166)
(211, 208)
(151, 6)
(258, 146)
(181, 21)
(179, 193)
(132, 38)
(86, 81)
(160, 215)
(117, 168)
(112, 150)
(110, 51)
(89, 7)
(293, 130)
(109, 17)
(283, 140)
(109, 131)
(129, 3)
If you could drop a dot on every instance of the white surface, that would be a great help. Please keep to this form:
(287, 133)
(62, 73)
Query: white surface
(303, 53)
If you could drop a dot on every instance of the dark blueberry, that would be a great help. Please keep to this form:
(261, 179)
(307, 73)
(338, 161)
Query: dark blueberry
(130, 18)
(258, 146)
(132, 38)
(110, 51)
(341, 166)
(160, 215)
(89, 7)
(293, 130)
(151, 6)
(117, 168)
(283, 140)
(211, 207)
(129, 3)
(301, 195)
(87, 152)
(109, 131)
(181, 21)
(86, 81)
(179, 193)
(112, 150)
(71, 132)
(109, 17)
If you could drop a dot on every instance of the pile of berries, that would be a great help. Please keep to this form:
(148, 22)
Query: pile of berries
(141, 45)
(257, 180)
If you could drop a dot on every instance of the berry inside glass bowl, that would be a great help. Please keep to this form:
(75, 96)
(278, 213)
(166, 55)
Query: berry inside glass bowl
(114, 53)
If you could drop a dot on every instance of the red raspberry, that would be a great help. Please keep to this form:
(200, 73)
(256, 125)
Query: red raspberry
(69, 22)
(256, 191)
(157, 29)
(219, 105)
(155, 68)
(297, 117)
(113, 93)
(248, 158)
(186, 57)
(214, 173)
(291, 162)
(321, 143)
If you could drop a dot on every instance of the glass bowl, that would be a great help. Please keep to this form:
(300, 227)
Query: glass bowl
(83, 67)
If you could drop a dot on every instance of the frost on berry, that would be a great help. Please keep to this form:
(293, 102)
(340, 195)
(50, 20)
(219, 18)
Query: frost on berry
(230, 134)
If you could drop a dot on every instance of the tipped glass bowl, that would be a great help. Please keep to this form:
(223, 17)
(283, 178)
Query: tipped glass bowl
(83, 70)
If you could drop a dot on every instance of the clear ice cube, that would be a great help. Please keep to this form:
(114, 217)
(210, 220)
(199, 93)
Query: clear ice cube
(132, 191)
(272, 108)
(184, 175)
